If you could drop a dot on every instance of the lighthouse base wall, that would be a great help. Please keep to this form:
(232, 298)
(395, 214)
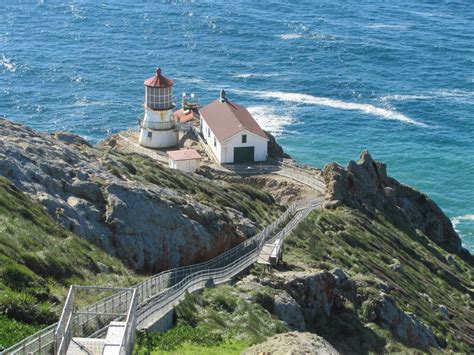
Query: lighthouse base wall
(158, 139)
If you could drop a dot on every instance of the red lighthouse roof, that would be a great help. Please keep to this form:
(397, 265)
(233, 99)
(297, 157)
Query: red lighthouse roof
(158, 80)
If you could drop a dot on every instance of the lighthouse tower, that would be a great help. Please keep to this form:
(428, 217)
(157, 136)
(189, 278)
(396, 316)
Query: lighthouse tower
(157, 128)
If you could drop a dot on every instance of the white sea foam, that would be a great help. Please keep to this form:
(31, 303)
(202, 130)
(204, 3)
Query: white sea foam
(288, 36)
(7, 64)
(324, 101)
(310, 35)
(76, 11)
(255, 75)
(456, 95)
(244, 75)
(464, 219)
(401, 97)
(383, 25)
(267, 117)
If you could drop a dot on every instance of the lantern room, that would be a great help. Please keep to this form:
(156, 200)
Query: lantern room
(158, 92)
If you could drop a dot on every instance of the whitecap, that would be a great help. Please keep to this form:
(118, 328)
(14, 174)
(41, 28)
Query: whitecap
(288, 36)
(404, 97)
(254, 75)
(76, 12)
(324, 101)
(244, 75)
(387, 26)
(8, 64)
(456, 95)
(269, 120)
(77, 78)
(464, 219)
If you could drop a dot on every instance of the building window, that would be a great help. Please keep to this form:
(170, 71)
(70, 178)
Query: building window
(244, 138)
(150, 134)
(208, 132)
(215, 143)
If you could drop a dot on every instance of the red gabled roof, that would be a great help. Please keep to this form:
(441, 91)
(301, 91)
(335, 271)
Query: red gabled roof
(158, 80)
(226, 119)
(184, 154)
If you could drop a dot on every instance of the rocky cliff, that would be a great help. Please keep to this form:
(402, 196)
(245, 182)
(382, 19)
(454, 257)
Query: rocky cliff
(366, 185)
(151, 217)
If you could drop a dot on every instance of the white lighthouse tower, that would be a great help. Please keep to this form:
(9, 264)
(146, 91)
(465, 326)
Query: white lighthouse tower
(157, 129)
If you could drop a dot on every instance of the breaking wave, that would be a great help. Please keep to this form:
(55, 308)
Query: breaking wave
(324, 101)
(288, 36)
(270, 121)
(460, 219)
(7, 64)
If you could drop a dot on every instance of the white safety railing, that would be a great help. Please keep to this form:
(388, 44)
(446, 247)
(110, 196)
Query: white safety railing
(157, 294)
(93, 322)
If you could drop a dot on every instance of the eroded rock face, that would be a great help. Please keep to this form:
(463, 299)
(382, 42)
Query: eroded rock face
(151, 227)
(314, 292)
(289, 311)
(365, 184)
(275, 151)
(406, 327)
(293, 343)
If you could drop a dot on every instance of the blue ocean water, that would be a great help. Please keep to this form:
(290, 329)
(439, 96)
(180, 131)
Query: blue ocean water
(330, 78)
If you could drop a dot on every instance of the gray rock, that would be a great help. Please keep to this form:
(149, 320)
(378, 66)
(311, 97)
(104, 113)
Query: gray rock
(150, 227)
(443, 310)
(332, 204)
(294, 343)
(70, 138)
(314, 292)
(404, 326)
(396, 266)
(287, 310)
(365, 184)
(339, 275)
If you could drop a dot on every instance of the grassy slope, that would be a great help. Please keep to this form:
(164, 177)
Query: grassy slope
(254, 203)
(38, 261)
(365, 246)
(216, 321)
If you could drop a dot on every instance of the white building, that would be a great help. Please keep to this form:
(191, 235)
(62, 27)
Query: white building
(157, 129)
(232, 133)
(187, 160)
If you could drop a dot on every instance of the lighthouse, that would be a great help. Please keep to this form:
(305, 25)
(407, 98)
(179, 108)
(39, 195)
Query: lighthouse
(157, 129)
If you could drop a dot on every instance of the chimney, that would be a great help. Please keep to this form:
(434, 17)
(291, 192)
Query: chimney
(222, 98)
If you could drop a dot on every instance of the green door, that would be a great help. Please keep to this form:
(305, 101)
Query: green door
(244, 154)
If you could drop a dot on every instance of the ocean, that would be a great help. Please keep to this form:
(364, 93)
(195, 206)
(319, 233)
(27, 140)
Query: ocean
(328, 78)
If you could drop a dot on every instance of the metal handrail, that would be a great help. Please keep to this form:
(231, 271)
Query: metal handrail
(153, 288)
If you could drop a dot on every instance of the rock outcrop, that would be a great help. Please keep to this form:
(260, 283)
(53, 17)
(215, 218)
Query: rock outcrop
(275, 151)
(293, 343)
(151, 227)
(366, 185)
(289, 311)
(406, 327)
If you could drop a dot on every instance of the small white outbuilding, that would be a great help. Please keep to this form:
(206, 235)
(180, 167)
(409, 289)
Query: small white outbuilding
(187, 160)
(232, 133)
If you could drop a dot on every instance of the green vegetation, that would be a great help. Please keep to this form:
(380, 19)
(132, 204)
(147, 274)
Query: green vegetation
(217, 320)
(254, 203)
(38, 261)
(365, 246)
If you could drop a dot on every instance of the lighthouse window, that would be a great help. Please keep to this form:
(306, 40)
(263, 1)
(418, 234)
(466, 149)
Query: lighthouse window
(150, 134)
(215, 141)
(244, 138)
